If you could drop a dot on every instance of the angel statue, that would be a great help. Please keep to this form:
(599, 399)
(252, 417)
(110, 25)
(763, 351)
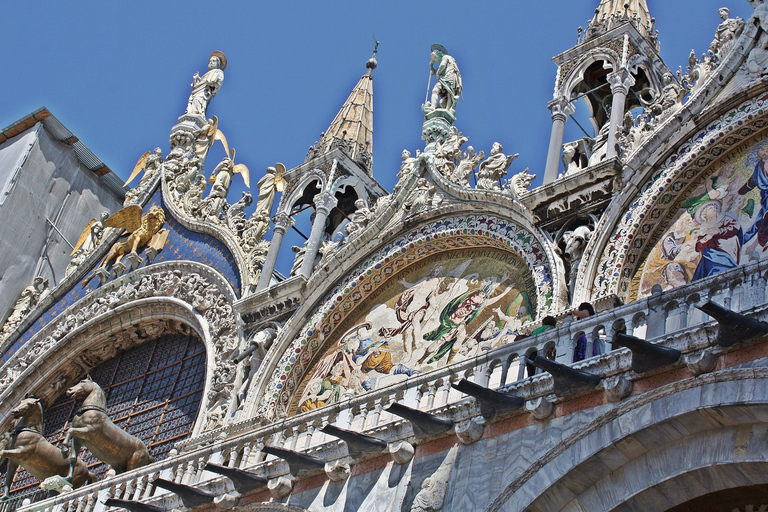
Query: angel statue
(222, 174)
(149, 163)
(205, 88)
(268, 184)
(91, 235)
(144, 230)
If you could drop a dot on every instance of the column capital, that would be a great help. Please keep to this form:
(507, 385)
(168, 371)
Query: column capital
(283, 222)
(621, 80)
(324, 202)
(561, 108)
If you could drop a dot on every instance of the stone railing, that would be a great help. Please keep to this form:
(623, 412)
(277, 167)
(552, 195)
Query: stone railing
(670, 318)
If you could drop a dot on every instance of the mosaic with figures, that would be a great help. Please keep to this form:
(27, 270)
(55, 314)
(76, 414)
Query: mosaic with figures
(442, 309)
(719, 226)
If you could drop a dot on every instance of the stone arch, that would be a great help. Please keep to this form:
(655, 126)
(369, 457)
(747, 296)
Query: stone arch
(185, 295)
(293, 356)
(650, 430)
(299, 189)
(576, 75)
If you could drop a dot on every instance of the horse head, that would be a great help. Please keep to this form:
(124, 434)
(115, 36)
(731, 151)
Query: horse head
(82, 389)
(30, 412)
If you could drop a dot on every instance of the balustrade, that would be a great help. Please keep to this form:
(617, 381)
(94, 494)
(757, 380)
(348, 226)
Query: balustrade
(663, 313)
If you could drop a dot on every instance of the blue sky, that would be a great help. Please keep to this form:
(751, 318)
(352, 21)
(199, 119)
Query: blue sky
(117, 74)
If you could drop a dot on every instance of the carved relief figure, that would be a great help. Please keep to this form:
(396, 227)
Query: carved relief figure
(205, 88)
(431, 496)
(492, 170)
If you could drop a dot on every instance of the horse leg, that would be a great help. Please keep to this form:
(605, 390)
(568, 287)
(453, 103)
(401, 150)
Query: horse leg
(64, 447)
(10, 473)
(74, 449)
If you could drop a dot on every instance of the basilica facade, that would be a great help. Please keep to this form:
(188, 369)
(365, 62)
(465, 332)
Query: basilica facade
(461, 342)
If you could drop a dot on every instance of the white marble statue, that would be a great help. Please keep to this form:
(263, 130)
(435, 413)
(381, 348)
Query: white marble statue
(28, 299)
(447, 90)
(205, 87)
(492, 170)
(359, 219)
(725, 35)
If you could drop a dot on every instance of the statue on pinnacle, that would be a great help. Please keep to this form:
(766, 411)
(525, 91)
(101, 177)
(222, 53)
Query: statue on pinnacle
(205, 88)
(447, 90)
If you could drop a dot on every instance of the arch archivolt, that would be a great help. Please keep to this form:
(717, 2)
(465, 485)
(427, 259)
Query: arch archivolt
(294, 352)
(168, 297)
(685, 430)
(575, 75)
(635, 220)
(316, 175)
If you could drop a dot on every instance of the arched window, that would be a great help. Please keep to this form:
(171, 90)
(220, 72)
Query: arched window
(153, 392)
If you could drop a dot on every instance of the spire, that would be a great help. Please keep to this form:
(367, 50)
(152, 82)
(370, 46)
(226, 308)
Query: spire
(611, 13)
(352, 128)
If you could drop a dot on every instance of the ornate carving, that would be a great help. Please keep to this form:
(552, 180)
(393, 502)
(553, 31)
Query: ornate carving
(359, 219)
(28, 299)
(205, 297)
(492, 170)
(519, 183)
(423, 197)
(431, 497)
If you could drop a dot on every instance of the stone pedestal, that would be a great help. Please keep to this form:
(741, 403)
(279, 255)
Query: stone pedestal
(437, 125)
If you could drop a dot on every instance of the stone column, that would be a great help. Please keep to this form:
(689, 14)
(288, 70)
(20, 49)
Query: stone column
(323, 204)
(282, 223)
(561, 108)
(620, 81)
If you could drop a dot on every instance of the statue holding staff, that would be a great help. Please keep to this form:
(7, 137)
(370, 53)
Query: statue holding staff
(447, 90)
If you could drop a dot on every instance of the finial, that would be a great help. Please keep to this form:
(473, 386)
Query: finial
(371, 64)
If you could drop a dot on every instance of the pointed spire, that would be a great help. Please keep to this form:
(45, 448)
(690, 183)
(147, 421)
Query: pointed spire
(611, 13)
(352, 128)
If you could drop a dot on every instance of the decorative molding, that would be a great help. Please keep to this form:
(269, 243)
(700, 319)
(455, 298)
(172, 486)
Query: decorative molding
(161, 291)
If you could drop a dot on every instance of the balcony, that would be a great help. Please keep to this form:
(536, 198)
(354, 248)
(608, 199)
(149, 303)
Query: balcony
(667, 318)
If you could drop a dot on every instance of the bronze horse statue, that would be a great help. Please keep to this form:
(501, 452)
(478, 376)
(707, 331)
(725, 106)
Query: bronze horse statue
(92, 428)
(25, 446)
